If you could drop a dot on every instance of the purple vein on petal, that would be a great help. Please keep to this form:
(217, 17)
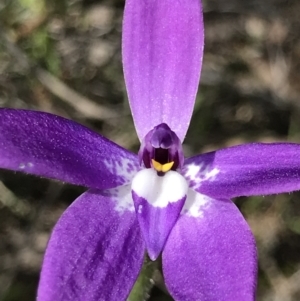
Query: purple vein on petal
(51, 146)
(162, 57)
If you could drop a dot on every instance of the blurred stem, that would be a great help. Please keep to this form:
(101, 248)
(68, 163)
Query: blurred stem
(144, 283)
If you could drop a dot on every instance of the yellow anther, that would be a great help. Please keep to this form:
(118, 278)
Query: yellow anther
(162, 167)
(166, 167)
(157, 166)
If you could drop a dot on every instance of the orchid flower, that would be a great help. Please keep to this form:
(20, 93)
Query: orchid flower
(156, 202)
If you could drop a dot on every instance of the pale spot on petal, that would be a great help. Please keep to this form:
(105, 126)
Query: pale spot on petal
(196, 174)
(122, 198)
(123, 167)
(23, 165)
(195, 204)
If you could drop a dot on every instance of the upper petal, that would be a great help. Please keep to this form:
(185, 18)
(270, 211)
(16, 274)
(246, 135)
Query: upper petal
(51, 146)
(210, 254)
(162, 57)
(249, 169)
(95, 252)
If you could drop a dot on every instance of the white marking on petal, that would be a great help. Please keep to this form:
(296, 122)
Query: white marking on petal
(122, 197)
(159, 191)
(22, 165)
(196, 174)
(195, 204)
(122, 167)
(25, 165)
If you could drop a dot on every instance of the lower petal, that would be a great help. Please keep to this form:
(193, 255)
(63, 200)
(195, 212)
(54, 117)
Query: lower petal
(95, 252)
(210, 254)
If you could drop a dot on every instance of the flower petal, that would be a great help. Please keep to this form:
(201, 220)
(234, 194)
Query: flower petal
(158, 201)
(210, 254)
(162, 57)
(95, 252)
(250, 169)
(51, 146)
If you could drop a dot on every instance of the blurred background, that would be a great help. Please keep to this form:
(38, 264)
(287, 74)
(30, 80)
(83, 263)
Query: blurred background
(63, 57)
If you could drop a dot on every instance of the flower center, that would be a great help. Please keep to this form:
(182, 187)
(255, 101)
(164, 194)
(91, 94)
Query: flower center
(161, 150)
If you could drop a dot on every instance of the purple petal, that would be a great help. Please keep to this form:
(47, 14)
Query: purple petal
(162, 57)
(210, 254)
(51, 146)
(156, 223)
(158, 201)
(250, 169)
(95, 252)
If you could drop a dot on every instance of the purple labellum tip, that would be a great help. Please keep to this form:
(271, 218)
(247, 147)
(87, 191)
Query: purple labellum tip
(158, 202)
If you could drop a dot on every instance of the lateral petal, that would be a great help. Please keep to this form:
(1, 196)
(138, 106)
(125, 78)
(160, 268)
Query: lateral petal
(162, 58)
(96, 250)
(50, 146)
(244, 170)
(210, 254)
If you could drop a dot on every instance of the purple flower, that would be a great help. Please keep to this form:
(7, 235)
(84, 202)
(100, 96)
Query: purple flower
(155, 201)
